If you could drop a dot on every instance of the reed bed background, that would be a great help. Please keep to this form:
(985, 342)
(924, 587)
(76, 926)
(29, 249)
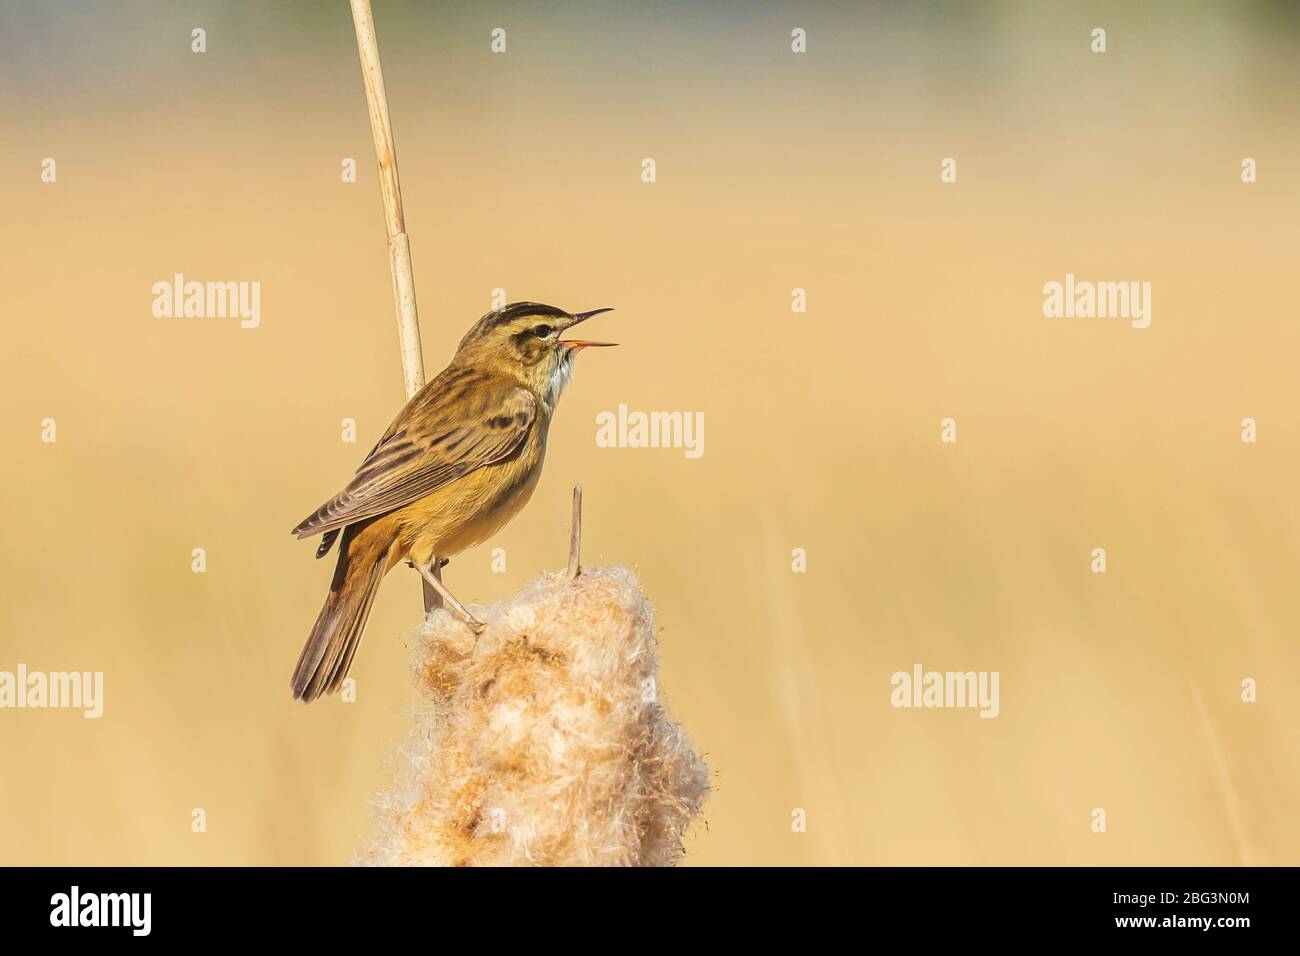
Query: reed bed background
(774, 171)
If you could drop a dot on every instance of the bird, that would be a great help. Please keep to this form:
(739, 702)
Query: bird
(456, 464)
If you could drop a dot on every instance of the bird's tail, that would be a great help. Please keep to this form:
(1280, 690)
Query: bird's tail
(327, 655)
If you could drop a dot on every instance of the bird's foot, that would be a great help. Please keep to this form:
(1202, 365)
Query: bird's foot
(435, 582)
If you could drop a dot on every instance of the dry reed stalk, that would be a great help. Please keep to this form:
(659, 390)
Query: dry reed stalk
(399, 246)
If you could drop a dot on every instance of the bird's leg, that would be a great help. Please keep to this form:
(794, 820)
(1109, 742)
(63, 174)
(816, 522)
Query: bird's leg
(442, 563)
(432, 600)
(435, 582)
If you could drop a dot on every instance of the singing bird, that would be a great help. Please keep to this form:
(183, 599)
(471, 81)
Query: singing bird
(457, 463)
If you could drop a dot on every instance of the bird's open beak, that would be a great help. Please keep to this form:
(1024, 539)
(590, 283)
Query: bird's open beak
(578, 344)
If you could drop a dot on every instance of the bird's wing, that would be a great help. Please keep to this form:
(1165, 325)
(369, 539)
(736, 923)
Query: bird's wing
(441, 435)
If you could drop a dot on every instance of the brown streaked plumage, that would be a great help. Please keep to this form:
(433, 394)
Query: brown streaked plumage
(456, 464)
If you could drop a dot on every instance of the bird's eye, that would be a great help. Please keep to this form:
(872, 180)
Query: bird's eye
(543, 331)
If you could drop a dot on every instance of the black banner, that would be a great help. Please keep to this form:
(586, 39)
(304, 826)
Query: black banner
(329, 906)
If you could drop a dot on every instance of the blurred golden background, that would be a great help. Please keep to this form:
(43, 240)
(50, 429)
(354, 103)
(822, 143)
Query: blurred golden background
(775, 171)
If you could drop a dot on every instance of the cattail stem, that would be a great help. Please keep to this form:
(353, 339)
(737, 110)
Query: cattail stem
(575, 534)
(399, 246)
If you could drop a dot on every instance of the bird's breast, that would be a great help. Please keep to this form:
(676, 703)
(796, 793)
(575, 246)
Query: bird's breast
(471, 509)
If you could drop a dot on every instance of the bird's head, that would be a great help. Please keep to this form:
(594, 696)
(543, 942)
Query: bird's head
(525, 340)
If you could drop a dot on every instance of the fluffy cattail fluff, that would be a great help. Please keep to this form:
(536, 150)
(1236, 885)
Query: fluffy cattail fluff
(544, 744)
